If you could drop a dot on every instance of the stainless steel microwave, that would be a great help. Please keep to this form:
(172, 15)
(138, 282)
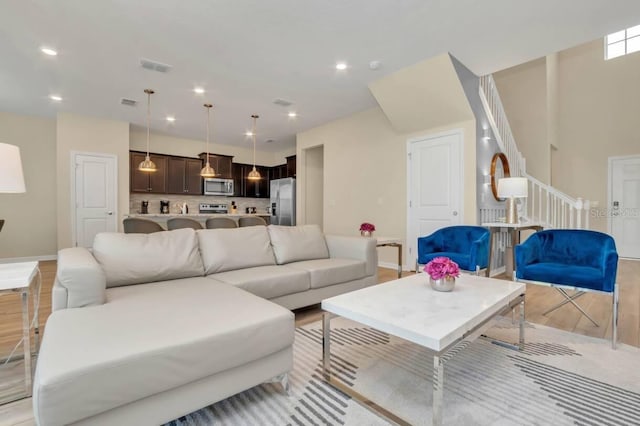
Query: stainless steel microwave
(216, 186)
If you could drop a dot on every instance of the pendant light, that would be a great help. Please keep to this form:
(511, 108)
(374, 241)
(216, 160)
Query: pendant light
(207, 171)
(254, 174)
(147, 165)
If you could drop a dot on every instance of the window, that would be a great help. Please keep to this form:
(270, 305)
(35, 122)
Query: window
(622, 42)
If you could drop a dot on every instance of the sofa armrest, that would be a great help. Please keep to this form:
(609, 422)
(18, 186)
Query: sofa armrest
(610, 269)
(354, 248)
(82, 277)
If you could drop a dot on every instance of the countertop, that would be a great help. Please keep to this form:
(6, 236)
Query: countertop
(195, 215)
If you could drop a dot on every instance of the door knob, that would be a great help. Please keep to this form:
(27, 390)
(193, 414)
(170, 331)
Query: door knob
(455, 213)
(109, 213)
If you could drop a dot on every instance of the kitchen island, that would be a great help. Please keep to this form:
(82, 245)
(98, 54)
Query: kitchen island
(200, 217)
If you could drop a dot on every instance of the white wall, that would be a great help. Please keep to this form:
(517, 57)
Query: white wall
(365, 163)
(165, 144)
(30, 227)
(88, 134)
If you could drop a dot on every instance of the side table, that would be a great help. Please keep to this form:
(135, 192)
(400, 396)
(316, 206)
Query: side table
(392, 242)
(514, 230)
(24, 278)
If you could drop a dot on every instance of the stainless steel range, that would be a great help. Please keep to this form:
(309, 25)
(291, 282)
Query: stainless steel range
(206, 208)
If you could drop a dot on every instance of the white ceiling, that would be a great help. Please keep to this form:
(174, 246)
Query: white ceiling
(246, 53)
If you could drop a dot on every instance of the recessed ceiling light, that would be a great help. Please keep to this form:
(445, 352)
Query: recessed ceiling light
(171, 119)
(198, 90)
(292, 114)
(341, 66)
(48, 51)
(56, 98)
(248, 134)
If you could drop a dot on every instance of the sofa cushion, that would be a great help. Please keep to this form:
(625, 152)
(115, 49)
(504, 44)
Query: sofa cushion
(326, 272)
(294, 243)
(158, 336)
(267, 281)
(235, 248)
(143, 258)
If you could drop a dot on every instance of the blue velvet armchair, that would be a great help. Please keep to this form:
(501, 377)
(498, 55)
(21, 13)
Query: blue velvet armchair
(571, 259)
(468, 246)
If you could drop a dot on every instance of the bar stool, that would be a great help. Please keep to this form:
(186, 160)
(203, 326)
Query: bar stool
(136, 225)
(221, 222)
(251, 221)
(182, 222)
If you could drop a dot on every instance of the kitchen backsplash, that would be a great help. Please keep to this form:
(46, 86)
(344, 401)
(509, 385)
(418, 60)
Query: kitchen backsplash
(135, 202)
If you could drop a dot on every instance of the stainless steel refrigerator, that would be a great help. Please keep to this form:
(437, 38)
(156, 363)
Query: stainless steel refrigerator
(283, 202)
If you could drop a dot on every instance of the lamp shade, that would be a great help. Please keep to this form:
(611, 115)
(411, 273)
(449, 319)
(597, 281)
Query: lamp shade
(11, 177)
(515, 187)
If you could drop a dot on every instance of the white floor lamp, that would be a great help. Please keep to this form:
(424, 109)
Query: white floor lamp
(11, 176)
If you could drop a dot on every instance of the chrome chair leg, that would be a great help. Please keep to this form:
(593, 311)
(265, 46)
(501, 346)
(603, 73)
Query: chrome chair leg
(615, 297)
(570, 299)
(564, 302)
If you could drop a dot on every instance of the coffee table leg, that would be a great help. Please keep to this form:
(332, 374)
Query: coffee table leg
(26, 336)
(399, 260)
(521, 337)
(438, 389)
(326, 344)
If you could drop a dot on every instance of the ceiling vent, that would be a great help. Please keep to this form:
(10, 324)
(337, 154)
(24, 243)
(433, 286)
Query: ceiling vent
(269, 141)
(128, 102)
(154, 65)
(282, 102)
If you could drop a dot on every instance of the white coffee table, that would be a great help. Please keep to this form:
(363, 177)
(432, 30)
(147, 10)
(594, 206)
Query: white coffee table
(408, 308)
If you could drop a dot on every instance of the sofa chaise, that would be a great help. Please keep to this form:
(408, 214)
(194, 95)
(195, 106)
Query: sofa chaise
(149, 327)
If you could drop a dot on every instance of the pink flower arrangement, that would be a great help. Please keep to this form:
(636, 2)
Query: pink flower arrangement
(369, 227)
(441, 267)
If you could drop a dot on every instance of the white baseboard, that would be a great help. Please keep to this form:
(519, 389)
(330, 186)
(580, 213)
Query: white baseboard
(28, 259)
(391, 265)
(498, 271)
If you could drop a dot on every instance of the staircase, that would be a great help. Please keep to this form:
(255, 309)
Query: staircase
(545, 204)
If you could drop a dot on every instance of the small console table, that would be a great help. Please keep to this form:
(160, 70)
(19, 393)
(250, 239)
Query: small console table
(24, 278)
(514, 230)
(392, 242)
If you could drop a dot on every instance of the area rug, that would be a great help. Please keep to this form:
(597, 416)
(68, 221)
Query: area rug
(559, 379)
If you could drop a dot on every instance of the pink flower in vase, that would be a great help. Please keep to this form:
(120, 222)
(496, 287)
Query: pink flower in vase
(367, 227)
(442, 267)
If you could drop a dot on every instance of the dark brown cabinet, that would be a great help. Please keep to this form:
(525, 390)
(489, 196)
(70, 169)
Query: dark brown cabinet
(244, 187)
(291, 166)
(278, 172)
(150, 182)
(222, 164)
(184, 176)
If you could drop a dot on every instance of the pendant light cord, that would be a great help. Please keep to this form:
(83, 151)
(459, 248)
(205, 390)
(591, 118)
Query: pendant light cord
(208, 119)
(253, 133)
(148, 117)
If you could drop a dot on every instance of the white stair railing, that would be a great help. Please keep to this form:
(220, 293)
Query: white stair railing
(545, 204)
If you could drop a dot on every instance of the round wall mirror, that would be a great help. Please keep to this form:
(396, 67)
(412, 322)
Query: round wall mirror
(499, 169)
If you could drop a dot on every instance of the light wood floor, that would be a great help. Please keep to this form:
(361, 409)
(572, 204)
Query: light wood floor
(538, 300)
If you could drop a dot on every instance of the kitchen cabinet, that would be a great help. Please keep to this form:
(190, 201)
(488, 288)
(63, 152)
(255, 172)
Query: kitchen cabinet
(244, 187)
(291, 166)
(149, 182)
(184, 176)
(278, 172)
(222, 164)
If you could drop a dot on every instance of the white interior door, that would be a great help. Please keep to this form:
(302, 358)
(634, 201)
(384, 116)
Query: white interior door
(95, 182)
(624, 196)
(435, 188)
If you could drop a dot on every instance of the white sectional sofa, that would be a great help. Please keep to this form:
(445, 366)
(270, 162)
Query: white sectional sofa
(149, 327)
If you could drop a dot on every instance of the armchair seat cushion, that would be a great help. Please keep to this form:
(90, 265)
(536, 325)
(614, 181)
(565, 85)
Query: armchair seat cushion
(558, 273)
(463, 260)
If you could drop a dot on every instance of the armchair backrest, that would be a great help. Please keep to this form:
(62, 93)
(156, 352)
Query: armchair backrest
(458, 239)
(583, 247)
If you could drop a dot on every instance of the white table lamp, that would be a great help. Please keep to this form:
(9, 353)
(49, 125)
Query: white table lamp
(11, 176)
(512, 188)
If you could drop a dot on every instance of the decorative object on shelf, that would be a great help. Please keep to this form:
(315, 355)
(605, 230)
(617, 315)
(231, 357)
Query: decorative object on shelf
(366, 229)
(147, 165)
(512, 188)
(494, 168)
(442, 273)
(254, 174)
(207, 171)
(11, 176)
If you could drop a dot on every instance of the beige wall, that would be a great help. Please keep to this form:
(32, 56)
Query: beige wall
(165, 144)
(88, 134)
(30, 228)
(314, 186)
(365, 168)
(597, 108)
(523, 90)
